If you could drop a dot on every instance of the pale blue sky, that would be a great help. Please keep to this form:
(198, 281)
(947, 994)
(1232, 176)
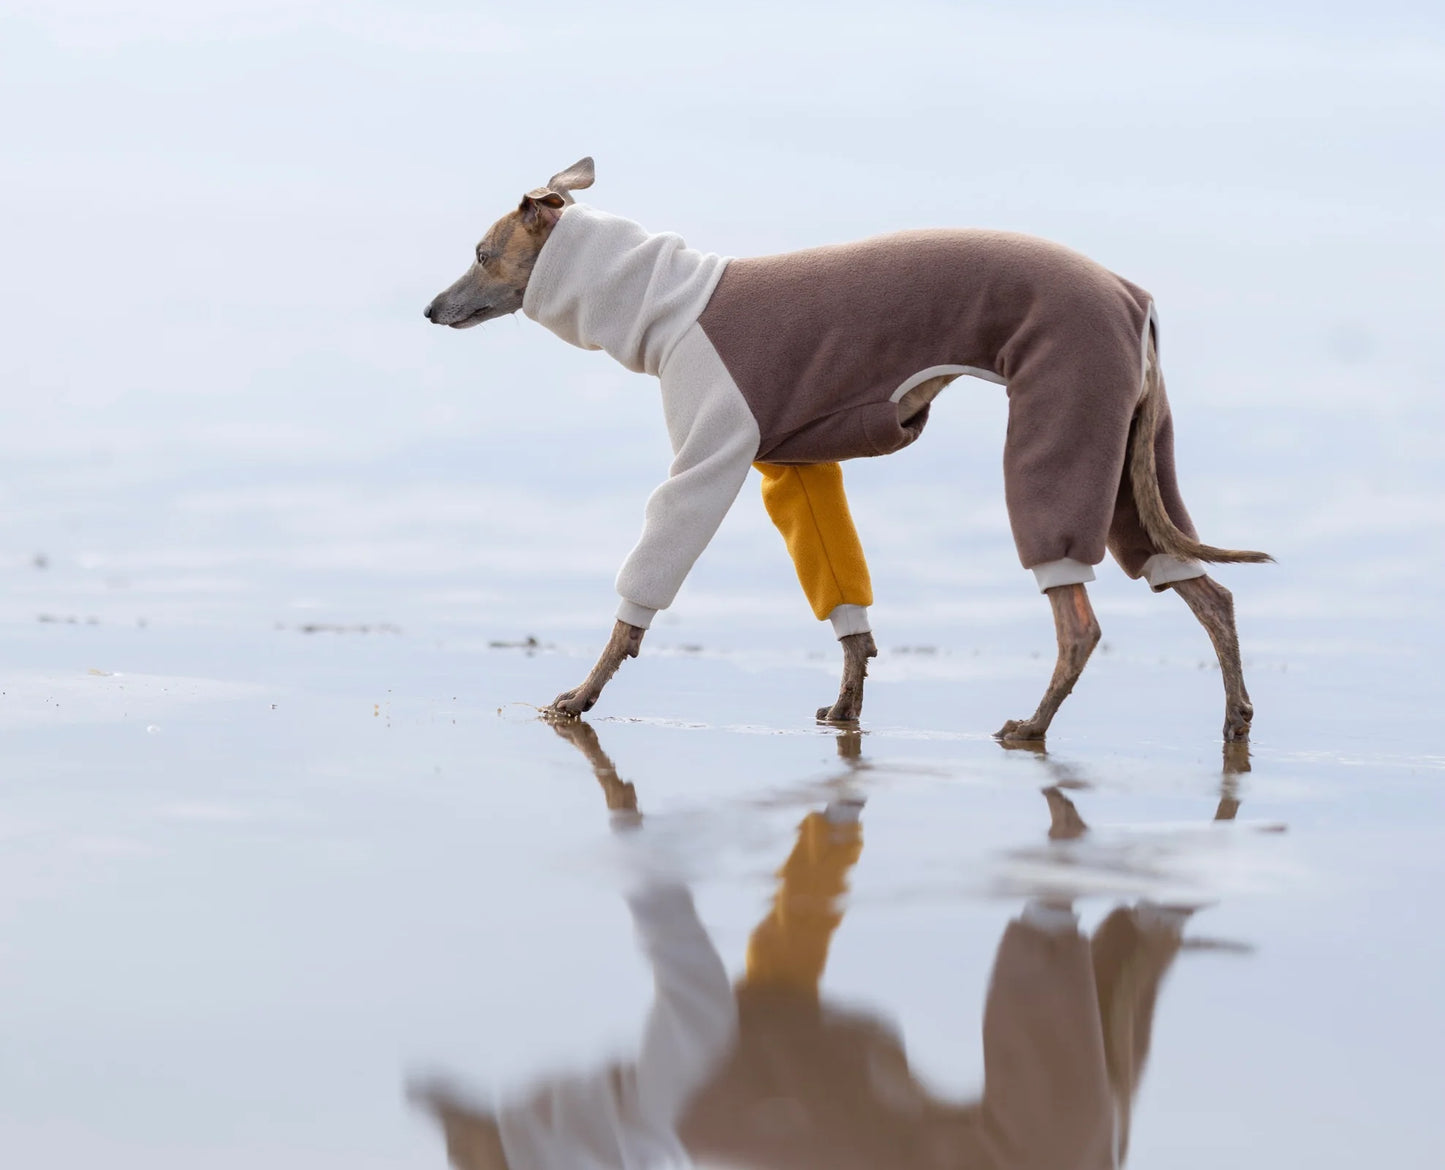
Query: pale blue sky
(221, 223)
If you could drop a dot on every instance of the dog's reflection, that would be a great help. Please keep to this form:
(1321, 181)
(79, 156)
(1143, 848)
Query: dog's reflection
(768, 1073)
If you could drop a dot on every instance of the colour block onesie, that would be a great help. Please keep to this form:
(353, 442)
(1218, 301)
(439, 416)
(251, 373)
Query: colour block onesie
(802, 359)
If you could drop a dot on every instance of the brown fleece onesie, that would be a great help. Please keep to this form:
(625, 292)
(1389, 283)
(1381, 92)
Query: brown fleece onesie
(823, 342)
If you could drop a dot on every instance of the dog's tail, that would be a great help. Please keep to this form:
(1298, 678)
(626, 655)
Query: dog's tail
(1144, 480)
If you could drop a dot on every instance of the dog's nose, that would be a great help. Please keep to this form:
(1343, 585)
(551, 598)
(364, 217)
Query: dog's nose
(427, 312)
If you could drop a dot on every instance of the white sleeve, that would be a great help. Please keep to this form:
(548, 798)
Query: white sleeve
(693, 1024)
(714, 439)
(626, 1115)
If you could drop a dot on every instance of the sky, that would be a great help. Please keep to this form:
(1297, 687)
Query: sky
(221, 223)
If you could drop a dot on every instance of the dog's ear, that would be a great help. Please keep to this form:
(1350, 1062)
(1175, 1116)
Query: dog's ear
(579, 175)
(541, 206)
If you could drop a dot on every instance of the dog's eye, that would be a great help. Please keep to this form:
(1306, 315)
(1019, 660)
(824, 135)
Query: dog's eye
(483, 256)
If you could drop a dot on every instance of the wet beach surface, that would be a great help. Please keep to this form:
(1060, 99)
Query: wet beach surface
(259, 882)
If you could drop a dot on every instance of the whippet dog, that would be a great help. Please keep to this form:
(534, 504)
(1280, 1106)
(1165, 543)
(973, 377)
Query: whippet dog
(805, 359)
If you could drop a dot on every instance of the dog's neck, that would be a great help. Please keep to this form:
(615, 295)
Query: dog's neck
(604, 282)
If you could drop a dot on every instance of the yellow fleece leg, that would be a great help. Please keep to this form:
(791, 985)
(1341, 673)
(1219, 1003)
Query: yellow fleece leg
(789, 948)
(808, 506)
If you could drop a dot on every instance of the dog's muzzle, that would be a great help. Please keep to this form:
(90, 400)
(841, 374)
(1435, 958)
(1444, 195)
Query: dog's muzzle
(448, 316)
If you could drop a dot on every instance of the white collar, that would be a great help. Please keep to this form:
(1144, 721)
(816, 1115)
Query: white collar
(604, 282)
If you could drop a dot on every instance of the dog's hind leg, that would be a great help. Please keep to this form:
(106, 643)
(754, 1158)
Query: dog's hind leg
(1078, 634)
(1150, 519)
(1213, 605)
(857, 649)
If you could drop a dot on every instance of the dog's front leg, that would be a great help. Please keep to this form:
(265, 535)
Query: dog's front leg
(626, 640)
(1078, 633)
(857, 649)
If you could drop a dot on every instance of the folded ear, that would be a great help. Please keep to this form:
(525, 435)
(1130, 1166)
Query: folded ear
(541, 205)
(576, 177)
(545, 197)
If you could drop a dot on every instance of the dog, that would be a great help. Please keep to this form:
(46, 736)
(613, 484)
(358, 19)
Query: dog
(835, 353)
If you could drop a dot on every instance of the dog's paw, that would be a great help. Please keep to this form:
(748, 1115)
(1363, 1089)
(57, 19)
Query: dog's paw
(570, 704)
(1237, 720)
(843, 711)
(1020, 731)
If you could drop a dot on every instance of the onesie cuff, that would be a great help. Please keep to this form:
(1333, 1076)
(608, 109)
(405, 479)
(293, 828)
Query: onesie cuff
(634, 614)
(1162, 570)
(1064, 571)
(1049, 917)
(1171, 919)
(849, 619)
(845, 810)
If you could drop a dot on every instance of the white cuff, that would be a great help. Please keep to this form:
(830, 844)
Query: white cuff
(849, 619)
(1064, 571)
(634, 614)
(1169, 918)
(1161, 569)
(844, 811)
(1051, 919)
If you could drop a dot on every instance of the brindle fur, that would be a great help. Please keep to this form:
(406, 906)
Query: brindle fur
(1078, 633)
(496, 281)
(857, 649)
(1144, 481)
(624, 643)
(1213, 605)
(921, 395)
(494, 285)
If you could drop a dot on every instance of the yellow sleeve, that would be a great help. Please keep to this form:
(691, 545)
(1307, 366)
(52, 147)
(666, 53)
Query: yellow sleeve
(808, 506)
(789, 948)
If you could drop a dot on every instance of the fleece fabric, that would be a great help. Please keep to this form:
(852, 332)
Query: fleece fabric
(602, 282)
(802, 358)
(626, 1115)
(808, 506)
(823, 342)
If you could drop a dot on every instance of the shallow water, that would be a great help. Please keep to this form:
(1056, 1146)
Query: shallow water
(257, 885)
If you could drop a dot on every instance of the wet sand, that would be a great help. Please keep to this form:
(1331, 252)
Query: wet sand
(256, 885)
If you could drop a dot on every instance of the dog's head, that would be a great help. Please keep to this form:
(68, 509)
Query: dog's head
(497, 280)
